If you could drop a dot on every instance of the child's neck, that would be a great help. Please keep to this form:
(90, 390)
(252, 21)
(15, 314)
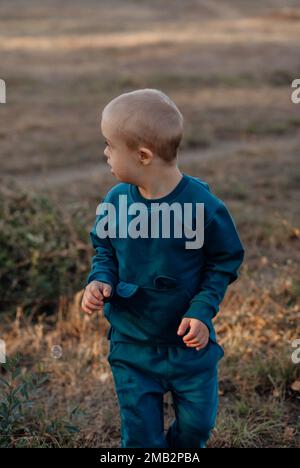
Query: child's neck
(159, 186)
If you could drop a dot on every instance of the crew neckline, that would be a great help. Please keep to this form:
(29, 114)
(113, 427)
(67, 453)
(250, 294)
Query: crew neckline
(137, 196)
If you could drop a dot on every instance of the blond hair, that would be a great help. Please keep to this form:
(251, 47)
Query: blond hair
(147, 117)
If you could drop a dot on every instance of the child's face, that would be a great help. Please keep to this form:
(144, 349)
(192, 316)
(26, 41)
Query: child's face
(124, 163)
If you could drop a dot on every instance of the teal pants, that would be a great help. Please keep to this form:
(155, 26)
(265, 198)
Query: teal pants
(143, 374)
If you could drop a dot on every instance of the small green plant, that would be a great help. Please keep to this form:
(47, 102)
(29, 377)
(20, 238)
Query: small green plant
(23, 421)
(44, 253)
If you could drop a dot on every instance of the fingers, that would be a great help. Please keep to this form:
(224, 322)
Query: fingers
(196, 338)
(199, 344)
(86, 310)
(203, 344)
(92, 301)
(195, 342)
(192, 335)
(89, 301)
(95, 291)
(89, 304)
(93, 307)
(106, 290)
(92, 298)
(185, 323)
(90, 309)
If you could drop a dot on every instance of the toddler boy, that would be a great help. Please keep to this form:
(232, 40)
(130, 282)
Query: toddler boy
(159, 289)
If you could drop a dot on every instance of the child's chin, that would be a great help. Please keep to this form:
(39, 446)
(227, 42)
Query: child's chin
(121, 178)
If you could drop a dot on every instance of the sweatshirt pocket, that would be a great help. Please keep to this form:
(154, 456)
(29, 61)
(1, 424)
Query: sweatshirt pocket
(150, 313)
(125, 297)
(125, 289)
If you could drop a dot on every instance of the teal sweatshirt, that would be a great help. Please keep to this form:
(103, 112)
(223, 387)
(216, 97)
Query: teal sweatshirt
(156, 281)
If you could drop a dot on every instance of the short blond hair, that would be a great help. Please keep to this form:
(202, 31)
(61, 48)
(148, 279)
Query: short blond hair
(147, 117)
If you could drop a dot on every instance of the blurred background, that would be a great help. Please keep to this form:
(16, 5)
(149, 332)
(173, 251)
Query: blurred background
(229, 67)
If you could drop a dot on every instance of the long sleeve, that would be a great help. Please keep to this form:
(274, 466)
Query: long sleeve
(223, 254)
(104, 262)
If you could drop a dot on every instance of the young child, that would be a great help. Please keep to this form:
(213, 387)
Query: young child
(159, 292)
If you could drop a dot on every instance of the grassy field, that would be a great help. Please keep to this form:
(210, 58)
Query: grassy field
(229, 67)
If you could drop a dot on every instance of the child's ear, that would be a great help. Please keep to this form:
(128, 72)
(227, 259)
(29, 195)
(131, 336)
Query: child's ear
(145, 155)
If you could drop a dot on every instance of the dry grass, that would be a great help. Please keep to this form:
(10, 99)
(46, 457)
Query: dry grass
(257, 404)
(61, 65)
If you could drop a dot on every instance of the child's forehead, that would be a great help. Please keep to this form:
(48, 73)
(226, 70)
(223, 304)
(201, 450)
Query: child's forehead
(107, 128)
(110, 133)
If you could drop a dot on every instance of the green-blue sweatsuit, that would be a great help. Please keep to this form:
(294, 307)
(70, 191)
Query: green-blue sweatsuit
(156, 281)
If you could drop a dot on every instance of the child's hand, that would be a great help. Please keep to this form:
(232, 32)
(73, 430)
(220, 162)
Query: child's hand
(94, 293)
(197, 336)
